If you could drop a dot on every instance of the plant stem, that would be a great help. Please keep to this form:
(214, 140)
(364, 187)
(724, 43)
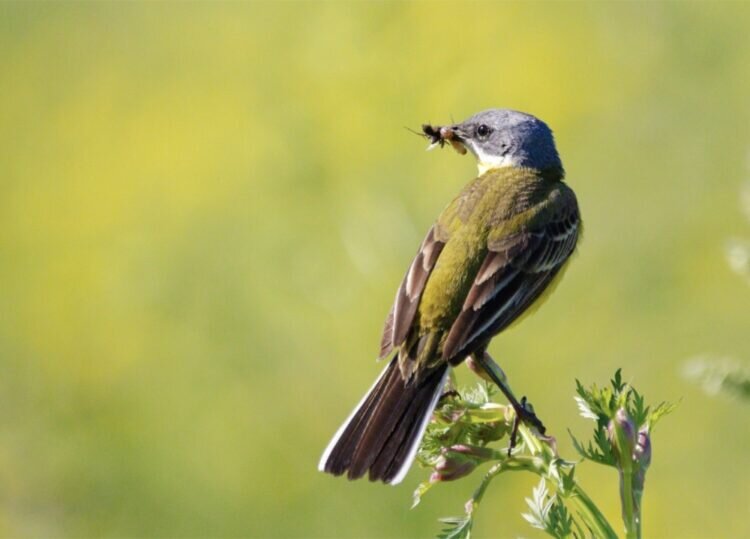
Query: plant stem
(630, 510)
(623, 431)
(496, 470)
(590, 513)
(587, 509)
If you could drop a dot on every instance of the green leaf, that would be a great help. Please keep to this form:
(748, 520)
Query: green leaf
(585, 410)
(617, 384)
(601, 452)
(456, 528)
(567, 480)
(560, 520)
(548, 513)
(538, 506)
(637, 409)
(660, 411)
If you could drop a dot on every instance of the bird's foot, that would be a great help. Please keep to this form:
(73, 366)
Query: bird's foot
(450, 394)
(524, 412)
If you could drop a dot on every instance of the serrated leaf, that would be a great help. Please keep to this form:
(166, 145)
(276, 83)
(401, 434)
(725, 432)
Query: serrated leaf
(601, 453)
(540, 492)
(660, 411)
(567, 481)
(548, 513)
(617, 384)
(457, 528)
(581, 390)
(537, 515)
(560, 520)
(556, 470)
(638, 409)
(585, 410)
(577, 445)
(531, 519)
(603, 447)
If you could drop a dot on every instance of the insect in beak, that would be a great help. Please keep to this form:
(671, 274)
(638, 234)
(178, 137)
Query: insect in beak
(439, 135)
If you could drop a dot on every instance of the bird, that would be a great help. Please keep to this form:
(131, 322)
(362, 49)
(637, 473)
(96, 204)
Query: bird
(491, 257)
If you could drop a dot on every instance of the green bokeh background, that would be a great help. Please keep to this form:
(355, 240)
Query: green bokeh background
(205, 210)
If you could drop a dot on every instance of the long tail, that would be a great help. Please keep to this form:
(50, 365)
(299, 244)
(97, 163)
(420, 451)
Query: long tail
(383, 432)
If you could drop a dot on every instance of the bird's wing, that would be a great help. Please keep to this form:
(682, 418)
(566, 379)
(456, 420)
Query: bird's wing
(407, 297)
(516, 270)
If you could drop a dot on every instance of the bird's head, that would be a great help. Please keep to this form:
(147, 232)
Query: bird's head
(500, 138)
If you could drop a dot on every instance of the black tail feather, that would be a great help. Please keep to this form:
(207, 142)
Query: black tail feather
(382, 435)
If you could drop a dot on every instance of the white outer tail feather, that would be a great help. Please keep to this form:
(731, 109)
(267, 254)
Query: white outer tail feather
(422, 427)
(417, 440)
(342, 428)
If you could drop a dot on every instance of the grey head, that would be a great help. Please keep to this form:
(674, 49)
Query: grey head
(502, 137)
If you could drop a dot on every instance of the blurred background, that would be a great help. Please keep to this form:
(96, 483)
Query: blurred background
(205, 211)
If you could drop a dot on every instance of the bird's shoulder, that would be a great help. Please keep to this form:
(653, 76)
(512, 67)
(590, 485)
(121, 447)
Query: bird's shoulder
(506, 201)
(535, 209)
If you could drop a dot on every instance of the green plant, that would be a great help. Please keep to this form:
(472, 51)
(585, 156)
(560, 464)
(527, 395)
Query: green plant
(467, 422)
(720, 375)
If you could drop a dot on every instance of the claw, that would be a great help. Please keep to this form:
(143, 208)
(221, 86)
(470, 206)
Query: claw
(528, 416)
(524, 412)
(451, 393)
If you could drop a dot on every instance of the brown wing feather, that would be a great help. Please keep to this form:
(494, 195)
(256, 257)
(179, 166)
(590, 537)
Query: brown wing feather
(514, 274)
(404, 308)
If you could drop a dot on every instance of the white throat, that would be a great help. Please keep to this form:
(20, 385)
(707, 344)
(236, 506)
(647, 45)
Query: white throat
(487, 161)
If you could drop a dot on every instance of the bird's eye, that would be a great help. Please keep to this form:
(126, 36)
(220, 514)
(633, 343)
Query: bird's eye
(483, 131)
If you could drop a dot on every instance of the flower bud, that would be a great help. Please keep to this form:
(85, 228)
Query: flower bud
(459, 461)
(642, 459)
(481, 453)
(621, 433)
(449, 469)
(642, 451)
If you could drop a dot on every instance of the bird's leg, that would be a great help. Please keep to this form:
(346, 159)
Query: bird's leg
(449, 390)
(523, 410)
(514, 430)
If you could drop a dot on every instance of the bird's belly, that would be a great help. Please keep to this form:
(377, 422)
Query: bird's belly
(450, 280)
